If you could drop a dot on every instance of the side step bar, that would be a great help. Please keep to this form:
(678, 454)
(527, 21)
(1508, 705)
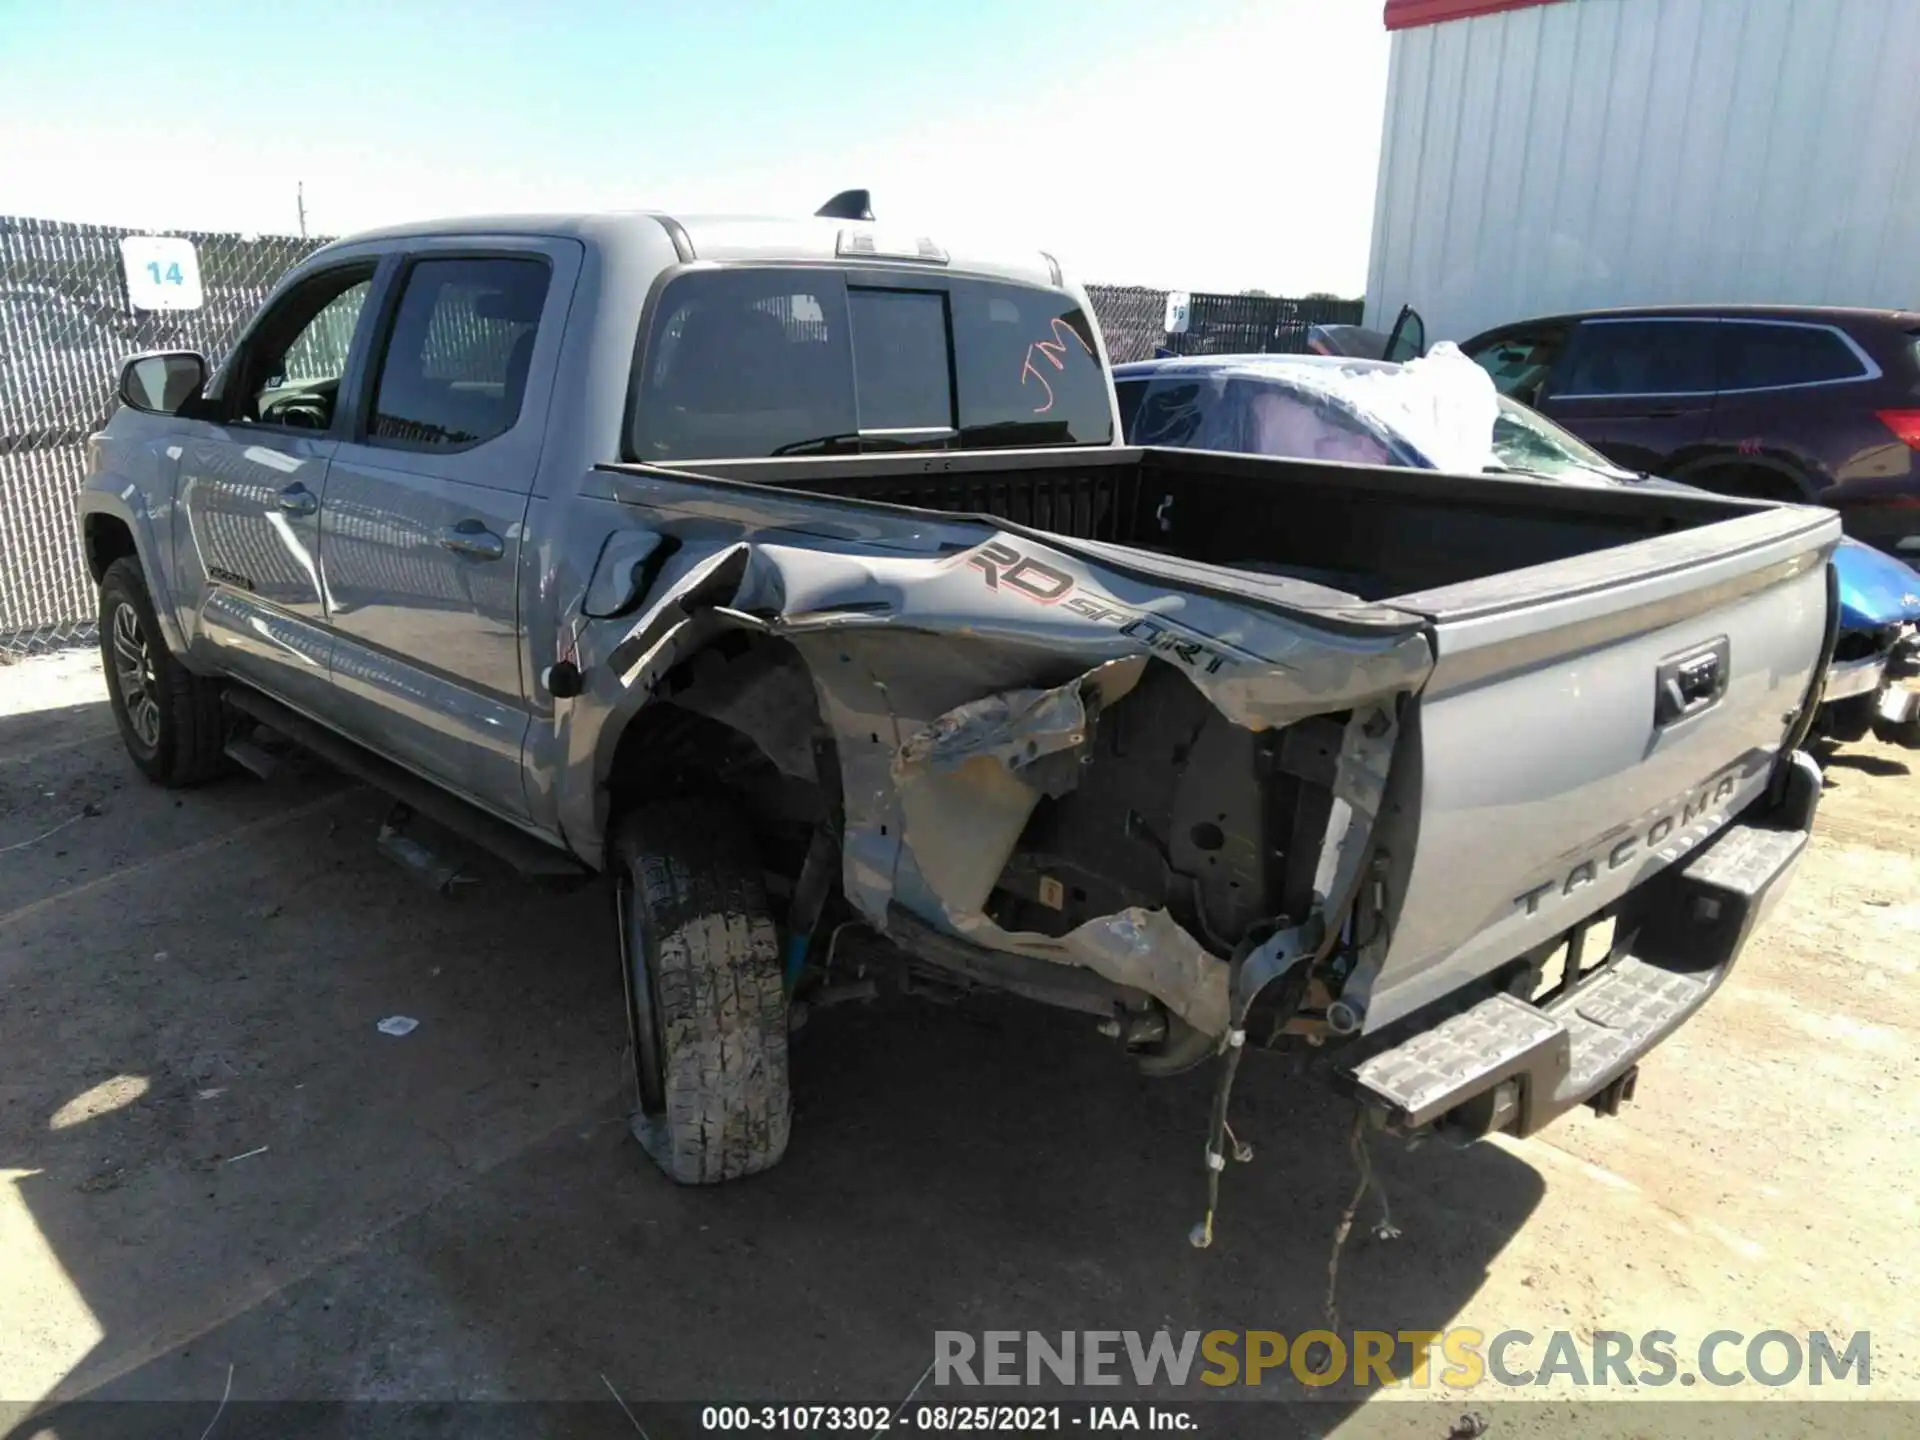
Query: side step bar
(533, 859)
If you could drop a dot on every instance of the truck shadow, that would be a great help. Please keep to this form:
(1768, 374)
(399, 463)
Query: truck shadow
(230, 1173)
(1866, 764)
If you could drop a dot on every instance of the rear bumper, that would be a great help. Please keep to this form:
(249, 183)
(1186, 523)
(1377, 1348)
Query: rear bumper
(1507, 1064)
(1848, 678)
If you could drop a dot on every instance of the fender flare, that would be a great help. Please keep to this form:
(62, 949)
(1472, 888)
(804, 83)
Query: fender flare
(128, 507)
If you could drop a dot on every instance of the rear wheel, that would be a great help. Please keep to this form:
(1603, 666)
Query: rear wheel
(170, 719)
(706, 1004)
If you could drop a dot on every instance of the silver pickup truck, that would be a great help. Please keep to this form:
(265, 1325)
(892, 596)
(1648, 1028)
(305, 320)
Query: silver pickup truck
(792, 574)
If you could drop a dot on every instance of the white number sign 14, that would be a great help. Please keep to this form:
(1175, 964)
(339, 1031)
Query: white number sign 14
(163, 273)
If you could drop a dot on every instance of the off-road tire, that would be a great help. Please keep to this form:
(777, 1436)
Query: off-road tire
(170, 719)
(706, 1002)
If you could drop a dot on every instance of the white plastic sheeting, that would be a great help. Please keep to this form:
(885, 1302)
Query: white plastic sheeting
(1438, 411)
(1443, 403)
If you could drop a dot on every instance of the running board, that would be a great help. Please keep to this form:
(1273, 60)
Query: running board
(531, 858)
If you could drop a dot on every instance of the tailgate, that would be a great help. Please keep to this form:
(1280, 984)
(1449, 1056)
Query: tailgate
(1587, 723)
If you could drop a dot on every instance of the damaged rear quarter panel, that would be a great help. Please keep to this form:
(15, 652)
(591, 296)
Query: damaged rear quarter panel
(950, 655)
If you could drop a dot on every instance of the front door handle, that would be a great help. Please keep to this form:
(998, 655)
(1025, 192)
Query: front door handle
(297, 499)
(474, 540)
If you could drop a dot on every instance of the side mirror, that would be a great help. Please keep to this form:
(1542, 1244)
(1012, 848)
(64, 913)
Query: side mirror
(164, 382)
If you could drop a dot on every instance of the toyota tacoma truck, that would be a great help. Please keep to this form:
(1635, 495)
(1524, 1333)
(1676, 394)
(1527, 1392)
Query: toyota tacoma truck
(793, 575)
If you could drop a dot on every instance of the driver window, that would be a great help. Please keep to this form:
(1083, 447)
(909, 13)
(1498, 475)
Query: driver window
(295, 361)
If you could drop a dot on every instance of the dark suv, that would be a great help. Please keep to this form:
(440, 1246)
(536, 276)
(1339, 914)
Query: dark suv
(1781, 402)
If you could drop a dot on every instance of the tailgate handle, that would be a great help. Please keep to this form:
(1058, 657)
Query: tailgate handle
(1690, 683)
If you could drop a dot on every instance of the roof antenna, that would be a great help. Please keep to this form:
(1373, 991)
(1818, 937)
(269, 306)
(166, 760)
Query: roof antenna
(848, 205)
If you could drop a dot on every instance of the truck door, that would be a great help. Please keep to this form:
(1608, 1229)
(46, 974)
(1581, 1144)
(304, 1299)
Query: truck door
(1639, 390)
(246, 533)
(421, 537)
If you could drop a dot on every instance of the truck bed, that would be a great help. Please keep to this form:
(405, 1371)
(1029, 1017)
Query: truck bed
(1373, 533)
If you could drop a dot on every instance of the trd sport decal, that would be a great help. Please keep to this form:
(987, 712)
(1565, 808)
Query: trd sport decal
(1005, 568)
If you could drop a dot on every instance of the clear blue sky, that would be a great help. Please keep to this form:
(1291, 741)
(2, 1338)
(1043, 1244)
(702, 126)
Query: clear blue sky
(1220, 145)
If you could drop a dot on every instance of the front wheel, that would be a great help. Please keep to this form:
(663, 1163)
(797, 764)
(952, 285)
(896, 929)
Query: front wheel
(170, 719)
(707, 1008)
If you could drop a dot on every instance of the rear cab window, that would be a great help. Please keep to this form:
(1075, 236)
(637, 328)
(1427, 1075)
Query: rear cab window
(744, 363)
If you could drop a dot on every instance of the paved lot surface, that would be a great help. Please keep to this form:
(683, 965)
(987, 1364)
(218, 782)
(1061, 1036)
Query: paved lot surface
(214, 1169)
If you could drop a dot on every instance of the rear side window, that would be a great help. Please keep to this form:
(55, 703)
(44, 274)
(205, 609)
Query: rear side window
(454, 372)
(1638, 357)
(752, 363)
(1759, 356)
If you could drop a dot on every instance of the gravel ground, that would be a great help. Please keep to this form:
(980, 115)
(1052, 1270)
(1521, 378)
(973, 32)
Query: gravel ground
(220, 1177)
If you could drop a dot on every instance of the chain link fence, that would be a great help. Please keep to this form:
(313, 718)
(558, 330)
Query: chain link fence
(1132, 318)
(66, 326)
(1134, 321)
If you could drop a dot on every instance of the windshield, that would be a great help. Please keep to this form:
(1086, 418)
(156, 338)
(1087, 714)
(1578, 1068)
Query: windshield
(747, 363)
(1524, 439)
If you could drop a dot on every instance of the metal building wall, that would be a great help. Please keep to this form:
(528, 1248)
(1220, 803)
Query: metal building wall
(1613, 152)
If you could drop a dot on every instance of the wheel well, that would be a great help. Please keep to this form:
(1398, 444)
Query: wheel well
(1754, 482)
(741, 719)
(107, 539)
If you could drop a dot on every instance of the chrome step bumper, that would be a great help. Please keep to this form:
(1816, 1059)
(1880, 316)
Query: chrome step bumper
(1507, 1064)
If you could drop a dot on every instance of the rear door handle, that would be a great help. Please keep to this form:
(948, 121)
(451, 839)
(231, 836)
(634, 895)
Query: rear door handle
(472, 539)
(297, 499)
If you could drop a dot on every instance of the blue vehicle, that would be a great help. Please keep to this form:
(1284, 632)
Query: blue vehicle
(1878, 649)
(1434, 414)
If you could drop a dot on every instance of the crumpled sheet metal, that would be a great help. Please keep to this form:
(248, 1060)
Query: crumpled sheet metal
(1017, 727)
(963, 785)
(1260, 667)
(1359, 791)
(1146, 949)
(965, 802)
(932, 677)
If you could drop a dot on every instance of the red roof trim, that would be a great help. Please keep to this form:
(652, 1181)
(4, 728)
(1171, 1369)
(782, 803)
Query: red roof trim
(1404, 14)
